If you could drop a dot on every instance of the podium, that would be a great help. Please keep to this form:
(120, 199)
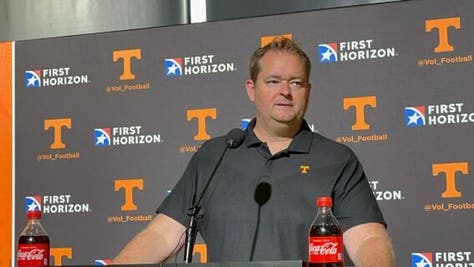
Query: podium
(292, 263)
(295, 263)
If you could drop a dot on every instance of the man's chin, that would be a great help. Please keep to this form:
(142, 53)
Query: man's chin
(288, 121)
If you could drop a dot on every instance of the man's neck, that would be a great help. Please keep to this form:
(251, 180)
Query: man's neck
(276, 138)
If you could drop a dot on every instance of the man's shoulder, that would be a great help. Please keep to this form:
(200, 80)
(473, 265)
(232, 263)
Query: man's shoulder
(322, 139)
(213, 144)
(325, 144)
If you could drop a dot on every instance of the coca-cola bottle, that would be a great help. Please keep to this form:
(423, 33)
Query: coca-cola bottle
(33, 243)
(325, 245)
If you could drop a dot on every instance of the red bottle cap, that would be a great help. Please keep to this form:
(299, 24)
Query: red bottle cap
(324, 202)
(33, 214)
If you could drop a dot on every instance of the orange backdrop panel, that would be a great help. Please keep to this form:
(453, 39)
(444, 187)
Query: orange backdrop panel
(6, 153)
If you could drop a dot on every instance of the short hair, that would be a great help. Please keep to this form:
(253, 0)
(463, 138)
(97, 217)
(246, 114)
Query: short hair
(278, 44)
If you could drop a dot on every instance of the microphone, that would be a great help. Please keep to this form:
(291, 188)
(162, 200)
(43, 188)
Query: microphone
(233, 139)
(263, 192)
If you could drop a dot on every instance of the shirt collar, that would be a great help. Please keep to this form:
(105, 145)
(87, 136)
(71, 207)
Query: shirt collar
(301, 143)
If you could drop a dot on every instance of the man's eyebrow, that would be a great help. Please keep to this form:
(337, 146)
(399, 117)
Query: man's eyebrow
(291, 78)
(273, 76)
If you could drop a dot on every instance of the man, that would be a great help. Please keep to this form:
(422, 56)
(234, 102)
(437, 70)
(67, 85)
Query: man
(297, 164)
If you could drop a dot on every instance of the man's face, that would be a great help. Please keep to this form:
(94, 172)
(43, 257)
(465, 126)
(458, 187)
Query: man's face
(281, 91)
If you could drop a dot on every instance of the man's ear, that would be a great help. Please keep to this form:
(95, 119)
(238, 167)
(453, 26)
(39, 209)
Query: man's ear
(250, 88)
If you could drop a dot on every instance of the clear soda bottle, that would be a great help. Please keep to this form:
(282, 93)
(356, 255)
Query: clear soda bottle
(325, 247)
(33, 243)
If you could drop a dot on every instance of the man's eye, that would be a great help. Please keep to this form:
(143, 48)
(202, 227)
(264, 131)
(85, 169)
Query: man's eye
(296, 84)
(272, 82)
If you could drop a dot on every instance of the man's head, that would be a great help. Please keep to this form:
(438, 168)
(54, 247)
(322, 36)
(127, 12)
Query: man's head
(278, 44)
(279, 87)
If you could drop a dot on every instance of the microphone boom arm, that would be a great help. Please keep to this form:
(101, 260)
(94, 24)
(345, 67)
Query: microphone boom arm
(191, 231)
(233, 140)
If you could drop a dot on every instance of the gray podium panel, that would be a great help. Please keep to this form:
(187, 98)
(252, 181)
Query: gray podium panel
(220, 264)
(297, 263)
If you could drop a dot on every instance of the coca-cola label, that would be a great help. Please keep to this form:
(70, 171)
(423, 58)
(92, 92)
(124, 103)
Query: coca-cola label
(33, 255)
(325, 249)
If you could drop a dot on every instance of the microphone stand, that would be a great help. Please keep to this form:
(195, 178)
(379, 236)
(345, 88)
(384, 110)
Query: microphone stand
(191, 231)
(262, 194)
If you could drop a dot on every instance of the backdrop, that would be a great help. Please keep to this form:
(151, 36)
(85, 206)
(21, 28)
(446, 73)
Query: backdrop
(106, 123)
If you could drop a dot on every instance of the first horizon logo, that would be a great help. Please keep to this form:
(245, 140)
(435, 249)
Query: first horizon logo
(439, 114)
(53, 77)
(354, 50)
(55, 204)
(125, 135)
(195, 65)
(442, 259)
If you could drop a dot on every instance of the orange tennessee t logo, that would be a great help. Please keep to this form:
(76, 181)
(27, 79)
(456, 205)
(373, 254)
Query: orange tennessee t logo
(201, 249)
(442, 25)
(268, 39)
(128, 185)
(201, 115)
(126, 56)
(359, 104)
(304, 169)
(57, 125)
(450, 169)
(58, 253)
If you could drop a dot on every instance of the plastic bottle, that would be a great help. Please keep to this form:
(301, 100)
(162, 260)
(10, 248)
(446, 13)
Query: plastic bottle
(33, 243)
(325, 246)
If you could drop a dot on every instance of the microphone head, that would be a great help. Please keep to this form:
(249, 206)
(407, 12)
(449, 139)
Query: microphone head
(234, 138)
(263, 193)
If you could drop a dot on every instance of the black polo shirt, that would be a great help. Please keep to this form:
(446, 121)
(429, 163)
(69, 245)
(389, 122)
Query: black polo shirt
(312, 166)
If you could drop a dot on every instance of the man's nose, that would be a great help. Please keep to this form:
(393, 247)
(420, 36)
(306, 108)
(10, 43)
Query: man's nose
(285, 88)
